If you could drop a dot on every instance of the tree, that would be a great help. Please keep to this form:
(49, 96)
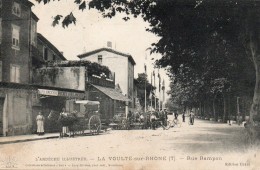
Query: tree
(140, 84)
(185, 29)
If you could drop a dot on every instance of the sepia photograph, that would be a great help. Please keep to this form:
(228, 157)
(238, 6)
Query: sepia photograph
(130, 84)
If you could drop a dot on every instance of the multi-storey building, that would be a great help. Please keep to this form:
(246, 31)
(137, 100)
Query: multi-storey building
(121, 64)
(22, 51)
(47, 50)
(17, 35)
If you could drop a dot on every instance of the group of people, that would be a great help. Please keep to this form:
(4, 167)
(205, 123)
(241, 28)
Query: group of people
(40, 121)
(191, 117)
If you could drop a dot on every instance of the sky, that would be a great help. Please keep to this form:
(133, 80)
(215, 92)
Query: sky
(92, 31)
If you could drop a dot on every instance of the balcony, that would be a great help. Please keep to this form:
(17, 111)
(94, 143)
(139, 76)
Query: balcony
(96, 80)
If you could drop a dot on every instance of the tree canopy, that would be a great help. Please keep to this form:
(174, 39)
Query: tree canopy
(206, 45)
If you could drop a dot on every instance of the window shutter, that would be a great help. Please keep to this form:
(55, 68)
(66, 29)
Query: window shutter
(12, 74)
(17, 77)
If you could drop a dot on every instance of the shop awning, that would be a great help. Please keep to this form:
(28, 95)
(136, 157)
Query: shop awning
(89, 102)
(112, 93)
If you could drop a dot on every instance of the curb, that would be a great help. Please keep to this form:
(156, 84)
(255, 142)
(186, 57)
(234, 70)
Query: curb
(35, 139)
(28, 140)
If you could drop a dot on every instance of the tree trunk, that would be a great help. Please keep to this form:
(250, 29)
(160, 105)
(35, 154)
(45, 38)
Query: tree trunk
(254, 45)
(200, 109)
(214, 109)
(229, 108)
(224, 107)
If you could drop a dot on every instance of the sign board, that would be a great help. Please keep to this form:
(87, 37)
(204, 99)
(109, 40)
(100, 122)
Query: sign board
(60, 93)
(48, 92)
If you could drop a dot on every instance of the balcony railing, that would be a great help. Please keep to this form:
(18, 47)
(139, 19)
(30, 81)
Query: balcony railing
(100, 81)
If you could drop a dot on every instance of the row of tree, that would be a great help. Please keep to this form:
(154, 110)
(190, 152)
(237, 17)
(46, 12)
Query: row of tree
(210, 48)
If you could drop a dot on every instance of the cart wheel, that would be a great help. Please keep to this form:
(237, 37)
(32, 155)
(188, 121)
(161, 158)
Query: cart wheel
(169, 124)
(94, 124)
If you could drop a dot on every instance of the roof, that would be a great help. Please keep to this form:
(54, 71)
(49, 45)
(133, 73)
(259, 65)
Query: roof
(27, 3)
(108, 50)
(44, 40)
(35, 17)
(112, 93)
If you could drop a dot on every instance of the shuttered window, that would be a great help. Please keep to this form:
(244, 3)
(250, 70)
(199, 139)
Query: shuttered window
(16, 9)
(15, 74)
(15, 36)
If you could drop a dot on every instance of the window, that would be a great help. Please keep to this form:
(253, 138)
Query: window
(33, 33)
(100, 59)
(17, 9)
(15, 36)
(45, 53)
(15, 74)
(53, 57)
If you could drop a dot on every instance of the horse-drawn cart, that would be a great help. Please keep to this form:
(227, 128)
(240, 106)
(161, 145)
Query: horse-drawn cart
(83, 117)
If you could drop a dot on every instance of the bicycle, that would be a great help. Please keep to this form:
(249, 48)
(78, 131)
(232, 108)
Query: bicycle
(172, 123)
(157, 123)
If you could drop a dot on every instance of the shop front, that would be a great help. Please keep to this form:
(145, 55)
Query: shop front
(48, 100)
(112, 102)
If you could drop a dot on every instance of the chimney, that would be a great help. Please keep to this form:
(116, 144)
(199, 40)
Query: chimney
(61, 52)
(109, 44)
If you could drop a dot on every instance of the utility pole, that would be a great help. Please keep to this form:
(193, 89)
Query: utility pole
(159, 77)
(154, 91)
(163, 89)
(145, 88)
(151, 92)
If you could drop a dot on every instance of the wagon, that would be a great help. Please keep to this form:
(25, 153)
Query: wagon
(83, 117)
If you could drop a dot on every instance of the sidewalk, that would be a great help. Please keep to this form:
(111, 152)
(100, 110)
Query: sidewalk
(32, 137)
(26, 138)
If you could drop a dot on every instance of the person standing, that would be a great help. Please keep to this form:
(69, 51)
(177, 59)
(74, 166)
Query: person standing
(176, 115)
(63, 123)
(192, 116)
(40, 123)
(183, 117)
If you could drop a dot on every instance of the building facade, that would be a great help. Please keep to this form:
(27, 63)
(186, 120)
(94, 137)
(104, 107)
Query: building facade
(20, 97)
(47, 50)
(16, 20)
(120, 63)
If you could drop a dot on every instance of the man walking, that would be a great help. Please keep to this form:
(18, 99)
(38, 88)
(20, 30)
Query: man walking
(192, 116)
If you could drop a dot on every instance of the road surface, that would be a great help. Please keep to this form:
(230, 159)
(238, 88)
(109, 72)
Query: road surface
(204, 145)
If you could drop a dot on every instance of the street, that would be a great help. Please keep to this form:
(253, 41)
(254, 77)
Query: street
(199, 146)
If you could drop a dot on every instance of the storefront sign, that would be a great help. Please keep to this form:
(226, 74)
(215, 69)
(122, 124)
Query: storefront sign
(48, 92)
(60, 93)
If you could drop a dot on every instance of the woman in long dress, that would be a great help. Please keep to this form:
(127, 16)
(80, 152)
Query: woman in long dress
(40, 123)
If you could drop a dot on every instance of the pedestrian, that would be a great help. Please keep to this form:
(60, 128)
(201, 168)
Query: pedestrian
(192, 116)
(51, 121)
(176, 115)
(183, 117)
(63, 122)
(40, 123)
